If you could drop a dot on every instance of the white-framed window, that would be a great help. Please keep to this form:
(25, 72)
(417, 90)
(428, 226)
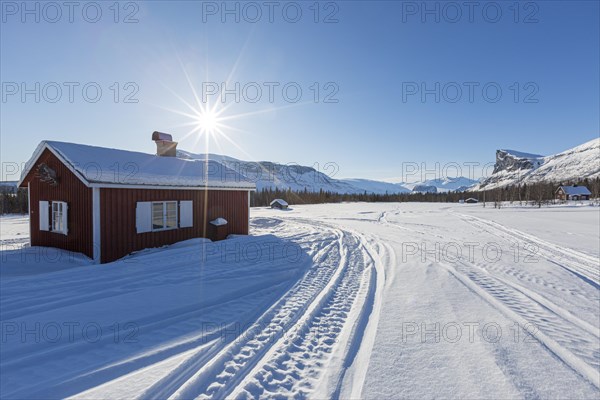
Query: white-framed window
(164, 215)
(57, 216)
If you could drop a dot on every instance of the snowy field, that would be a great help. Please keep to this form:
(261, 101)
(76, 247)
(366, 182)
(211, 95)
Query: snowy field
(409, 300)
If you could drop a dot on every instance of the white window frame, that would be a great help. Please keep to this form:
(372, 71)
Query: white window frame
(58, 217)
(164, 215)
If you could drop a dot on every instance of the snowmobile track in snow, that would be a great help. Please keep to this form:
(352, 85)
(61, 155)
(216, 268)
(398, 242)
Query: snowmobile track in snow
(295, 335)
(572, 340)
(318, 332)
(582, 265)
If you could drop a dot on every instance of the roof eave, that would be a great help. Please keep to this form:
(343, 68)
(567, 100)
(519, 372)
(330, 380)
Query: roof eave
(45, 145)
(168, 187)
(36, 155)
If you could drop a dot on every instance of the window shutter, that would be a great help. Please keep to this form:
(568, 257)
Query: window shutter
(186, 214)
(65, 212)
(143, 216)
(44, 217)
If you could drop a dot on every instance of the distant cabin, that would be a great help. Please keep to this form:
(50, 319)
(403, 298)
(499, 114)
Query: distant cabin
(107, 203)
(471, 200)
(573, 193)
(279, 203)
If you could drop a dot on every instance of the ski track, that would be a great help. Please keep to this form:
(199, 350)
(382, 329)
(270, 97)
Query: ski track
(573, 335)
(576, 347)
(581, 265)
(574, 341)
(243, 348)
(303, 343)
(287, 349)
(184, 319)
(295, 364)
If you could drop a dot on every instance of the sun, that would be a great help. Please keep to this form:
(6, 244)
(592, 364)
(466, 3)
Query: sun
(211, 120)
(207, 121)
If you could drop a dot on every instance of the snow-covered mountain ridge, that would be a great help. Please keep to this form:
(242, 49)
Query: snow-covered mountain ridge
(268, 174)
(513, 167)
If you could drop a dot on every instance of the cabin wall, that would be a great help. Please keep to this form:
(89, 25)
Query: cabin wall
(118, 217)
(79, 216)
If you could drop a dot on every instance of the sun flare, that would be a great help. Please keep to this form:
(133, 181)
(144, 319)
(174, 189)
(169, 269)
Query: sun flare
(207, 122)
(210, 121)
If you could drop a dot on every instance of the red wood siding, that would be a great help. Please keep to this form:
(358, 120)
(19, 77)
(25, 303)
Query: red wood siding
(231, 205)
(79, 199)
(118, 213)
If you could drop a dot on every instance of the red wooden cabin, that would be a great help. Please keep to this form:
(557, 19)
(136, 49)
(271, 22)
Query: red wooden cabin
(107, 203)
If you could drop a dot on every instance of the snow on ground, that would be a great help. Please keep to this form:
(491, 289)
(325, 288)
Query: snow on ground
(395, 300)
(573, 225)
(14, 230)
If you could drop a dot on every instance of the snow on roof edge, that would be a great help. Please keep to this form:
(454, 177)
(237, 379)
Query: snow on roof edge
(174, 172)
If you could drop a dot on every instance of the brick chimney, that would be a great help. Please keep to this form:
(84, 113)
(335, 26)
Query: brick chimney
(165, 146)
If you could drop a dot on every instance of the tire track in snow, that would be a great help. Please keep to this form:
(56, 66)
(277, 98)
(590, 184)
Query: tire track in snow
(162, 324)
(296, 364)
(582, 265)
(356, 362)
(573, 341)
(325, 301)
(241, 352)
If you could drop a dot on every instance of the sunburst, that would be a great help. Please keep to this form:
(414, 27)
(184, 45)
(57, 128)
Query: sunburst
(211, 120)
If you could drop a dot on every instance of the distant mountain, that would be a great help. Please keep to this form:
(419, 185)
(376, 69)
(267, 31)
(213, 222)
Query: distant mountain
(267, 174)
(513, 167)
(450, 184)
(422, 188)
(377, 187)
(459, 184)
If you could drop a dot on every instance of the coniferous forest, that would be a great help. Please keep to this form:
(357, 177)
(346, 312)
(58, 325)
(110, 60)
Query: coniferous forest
(535, 194)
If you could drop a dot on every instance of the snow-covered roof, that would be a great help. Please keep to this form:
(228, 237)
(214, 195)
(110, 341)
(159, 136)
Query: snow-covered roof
(576, 190)
(280, 201)
(101, 166)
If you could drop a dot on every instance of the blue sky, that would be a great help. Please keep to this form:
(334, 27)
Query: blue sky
(371, 61)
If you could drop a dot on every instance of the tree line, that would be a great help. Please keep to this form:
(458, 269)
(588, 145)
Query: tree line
(535, 194)
(13, 202)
